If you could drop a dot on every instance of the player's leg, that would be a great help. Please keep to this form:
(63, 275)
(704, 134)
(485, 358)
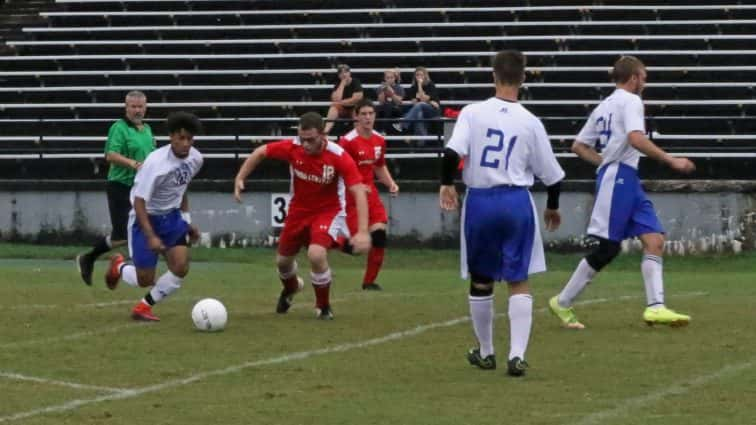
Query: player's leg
(481, 302)
(656, 311)
(120, 269)
(612, 211)
(520, 324)
(293, 236)
(378, 220)
(119, 206)
(321, 278)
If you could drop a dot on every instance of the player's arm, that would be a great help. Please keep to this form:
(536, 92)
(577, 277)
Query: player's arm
(586, 153)
(447, 194)
(249, 165)
(384, 176)
(360, 241)
(153, 241)
(187, 217)
(639, 141)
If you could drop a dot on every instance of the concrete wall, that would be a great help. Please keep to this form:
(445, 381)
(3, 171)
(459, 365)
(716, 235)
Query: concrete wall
(720, 221)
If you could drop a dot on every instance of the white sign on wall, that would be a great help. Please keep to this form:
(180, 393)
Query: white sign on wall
(279, 207)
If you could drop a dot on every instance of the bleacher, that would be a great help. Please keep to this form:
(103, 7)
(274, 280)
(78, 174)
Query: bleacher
(249, 68)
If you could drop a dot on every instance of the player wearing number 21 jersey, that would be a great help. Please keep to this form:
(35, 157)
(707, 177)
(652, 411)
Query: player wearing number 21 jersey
(505, 147)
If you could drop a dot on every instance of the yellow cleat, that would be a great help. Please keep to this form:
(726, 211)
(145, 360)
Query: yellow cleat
(665, 316)
(566, 315)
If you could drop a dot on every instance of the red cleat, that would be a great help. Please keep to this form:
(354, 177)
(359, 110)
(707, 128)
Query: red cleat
(143, 312)
(113, 274)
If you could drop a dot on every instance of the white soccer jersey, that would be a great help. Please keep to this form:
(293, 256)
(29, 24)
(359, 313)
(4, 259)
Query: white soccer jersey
(503, 144)
(610, 123)
(163, 178)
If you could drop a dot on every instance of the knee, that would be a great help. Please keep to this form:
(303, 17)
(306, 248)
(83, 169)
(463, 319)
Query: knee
(180, 270)
(481, 286)
(318, 257)
(378, 238)
(146, 278)
(654, 245)
(603, 254)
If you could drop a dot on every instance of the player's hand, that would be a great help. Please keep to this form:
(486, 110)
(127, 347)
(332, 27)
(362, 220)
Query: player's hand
(448, 199)
(155, 244)
(682, 165)
(360, 242)
(238, 189)
(194, 233)
(393, 189)
(552, 218)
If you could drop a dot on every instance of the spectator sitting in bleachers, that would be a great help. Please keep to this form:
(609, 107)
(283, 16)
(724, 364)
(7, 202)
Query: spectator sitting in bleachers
(425, 103)
(390, 96)
(346, 92)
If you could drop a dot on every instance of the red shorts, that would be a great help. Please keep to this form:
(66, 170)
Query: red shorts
(376, 211)
(311, 228)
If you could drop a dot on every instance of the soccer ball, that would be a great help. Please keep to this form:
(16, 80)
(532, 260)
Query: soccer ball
(209, 315)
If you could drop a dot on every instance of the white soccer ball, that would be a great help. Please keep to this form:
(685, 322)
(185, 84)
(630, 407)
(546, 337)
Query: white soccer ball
(209, 315)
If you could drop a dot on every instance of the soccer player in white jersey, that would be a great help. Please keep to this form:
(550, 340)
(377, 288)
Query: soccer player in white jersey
(504, 146)
(613, 139)
(159, 222)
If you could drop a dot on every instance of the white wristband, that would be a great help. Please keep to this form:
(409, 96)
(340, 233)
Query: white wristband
(186, 216)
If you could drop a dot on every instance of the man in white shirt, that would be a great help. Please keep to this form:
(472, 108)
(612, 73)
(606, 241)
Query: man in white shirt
(504, 146)
(613, 139)
(159, 222)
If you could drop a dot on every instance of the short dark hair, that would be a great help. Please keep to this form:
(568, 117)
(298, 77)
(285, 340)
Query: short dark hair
(181, 120)
(509, 67)
(311, 120)
(363, 103)
(625, 68)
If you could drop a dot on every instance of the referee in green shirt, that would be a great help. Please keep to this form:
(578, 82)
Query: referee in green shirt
(129, 142)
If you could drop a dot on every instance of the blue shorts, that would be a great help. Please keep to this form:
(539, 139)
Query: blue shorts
(170, 228)
(498, 232)
(621, 209)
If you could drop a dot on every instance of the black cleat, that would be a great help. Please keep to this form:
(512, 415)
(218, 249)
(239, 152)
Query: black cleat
(516, 367)
(371, 287)
(85, 265)
(284, 302)
(324, 313)
(488, 363)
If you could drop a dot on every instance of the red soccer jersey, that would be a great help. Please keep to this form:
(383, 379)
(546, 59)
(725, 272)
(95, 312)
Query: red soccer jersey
(319, 181)
(367, 153)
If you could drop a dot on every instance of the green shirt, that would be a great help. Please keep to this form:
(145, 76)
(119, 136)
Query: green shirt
(125, 139)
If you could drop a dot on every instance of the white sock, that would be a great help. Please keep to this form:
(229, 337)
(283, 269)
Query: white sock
(129, 275)
(651, 267)
(520, 322)
(482, 314)
(581, 277)
(167, 284)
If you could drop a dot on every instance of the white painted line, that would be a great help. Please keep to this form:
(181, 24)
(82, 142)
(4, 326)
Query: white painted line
(74, 404)
(679, 388)
(19, 377)
(71, 337)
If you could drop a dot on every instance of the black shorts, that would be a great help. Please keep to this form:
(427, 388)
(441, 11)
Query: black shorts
(119, 205)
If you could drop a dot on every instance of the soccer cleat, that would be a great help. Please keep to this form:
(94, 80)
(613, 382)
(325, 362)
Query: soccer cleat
(324, 313)
(143, 312)
(113, 274)
(566, 315)
(286, 299)
(487, 363)
(371, 287)
(516, 366)
(665, 316)
(85, 265)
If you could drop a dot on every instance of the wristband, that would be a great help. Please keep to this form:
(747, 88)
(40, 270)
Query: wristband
(186, 216)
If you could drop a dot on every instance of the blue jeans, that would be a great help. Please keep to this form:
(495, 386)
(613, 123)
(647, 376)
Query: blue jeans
(420, 110)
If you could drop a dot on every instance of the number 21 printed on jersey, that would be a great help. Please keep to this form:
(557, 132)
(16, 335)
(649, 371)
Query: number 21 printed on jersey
(604, 126)
(497, 146)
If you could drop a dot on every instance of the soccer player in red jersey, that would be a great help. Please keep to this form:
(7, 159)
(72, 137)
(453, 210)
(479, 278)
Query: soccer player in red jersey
(316, 218)
(367, 147)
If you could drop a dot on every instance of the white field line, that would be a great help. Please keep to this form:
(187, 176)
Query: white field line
(74, 404)
(19, 377)
(678, 388)
(71, 337)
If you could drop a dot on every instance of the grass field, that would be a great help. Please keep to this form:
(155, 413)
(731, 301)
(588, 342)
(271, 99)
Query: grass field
(69, 354)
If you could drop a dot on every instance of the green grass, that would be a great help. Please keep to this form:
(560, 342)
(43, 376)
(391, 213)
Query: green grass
(617, 371)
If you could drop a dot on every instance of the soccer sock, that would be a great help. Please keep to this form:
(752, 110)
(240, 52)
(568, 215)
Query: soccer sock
(100, 247)
(129, 275)
(520, 322)
(321, 283)
(374, 263)
(289, 279)
(167, 284)
(581, 277)
(482, 314)
(651, 268)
